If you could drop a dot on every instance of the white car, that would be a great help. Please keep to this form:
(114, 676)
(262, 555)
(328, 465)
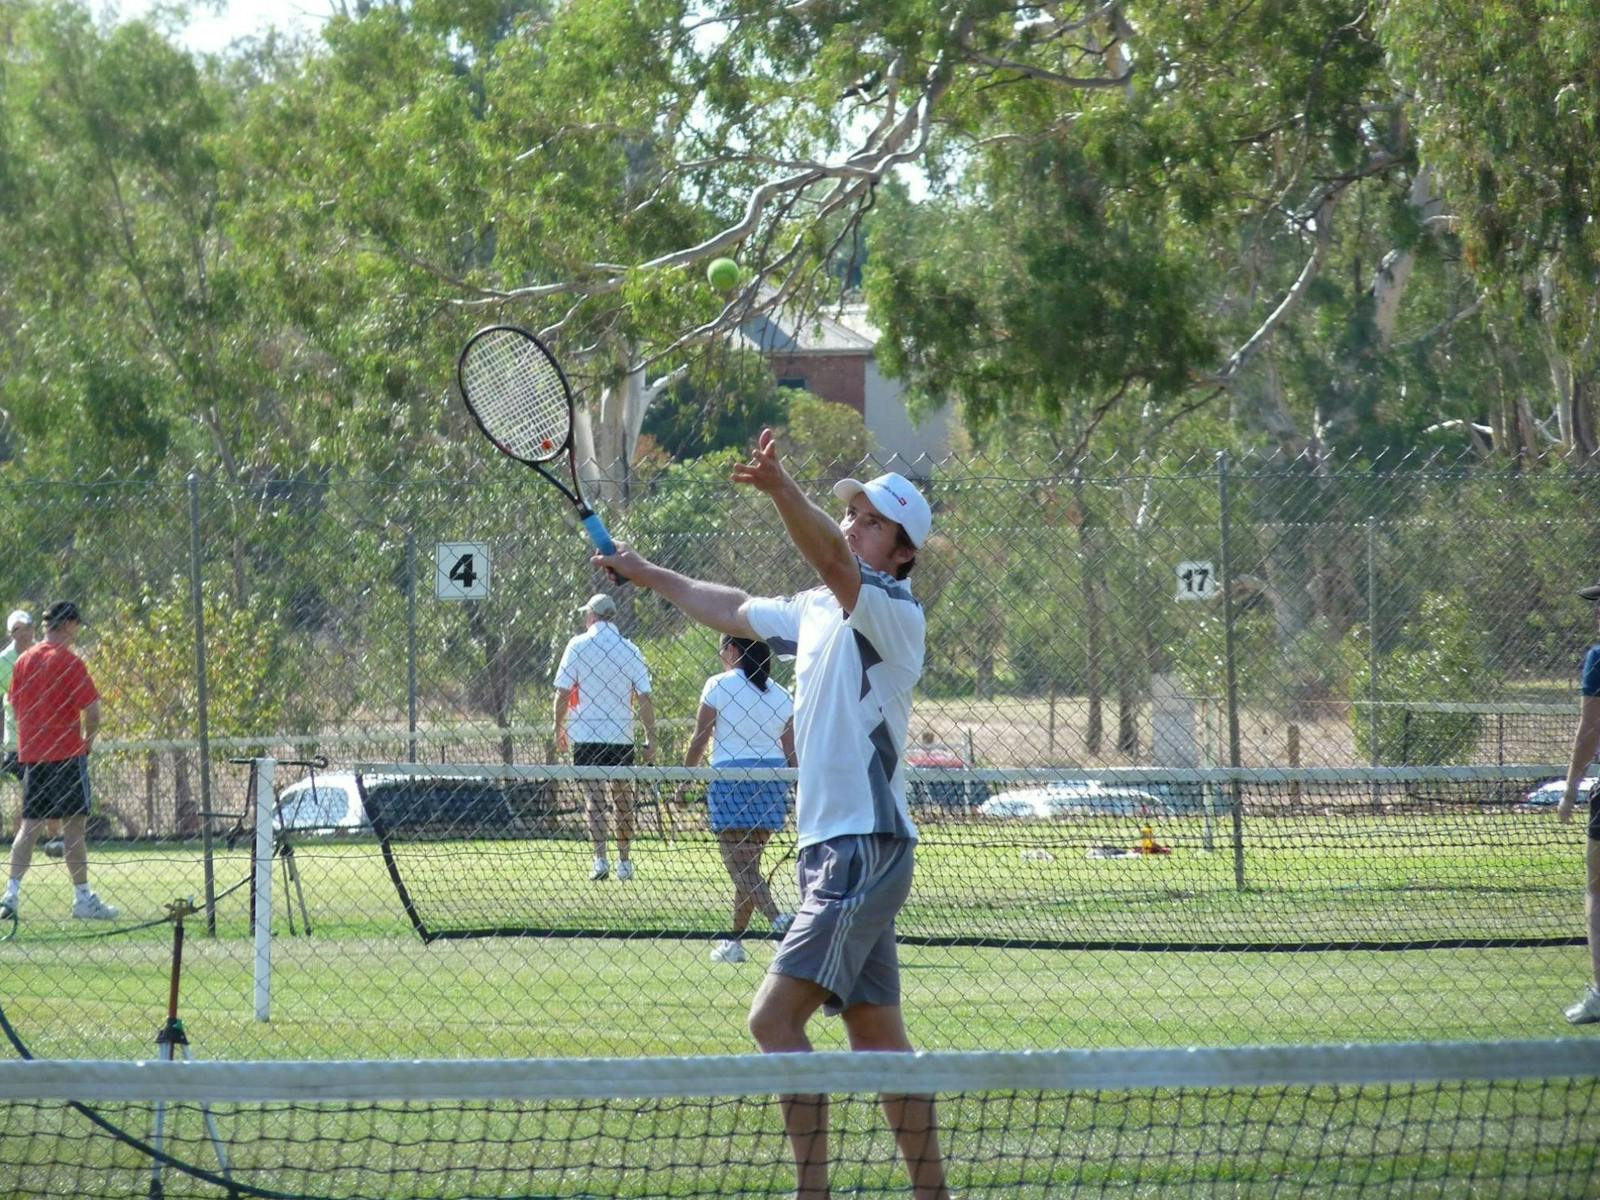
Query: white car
(1548, 795)
(1081, 797)
(411, 806)
(332, 806)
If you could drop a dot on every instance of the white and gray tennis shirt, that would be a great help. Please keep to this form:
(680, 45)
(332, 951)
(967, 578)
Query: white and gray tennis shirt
(854, 674)
(607, 669)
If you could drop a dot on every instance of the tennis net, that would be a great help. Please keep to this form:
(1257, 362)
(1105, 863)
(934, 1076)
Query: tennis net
(1259, 859)
(1416, 1120)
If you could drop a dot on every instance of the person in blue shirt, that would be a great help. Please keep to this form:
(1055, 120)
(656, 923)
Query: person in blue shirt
(1585, 742)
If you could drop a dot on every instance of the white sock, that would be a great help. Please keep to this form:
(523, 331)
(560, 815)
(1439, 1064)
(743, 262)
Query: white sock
(13, 889)
(82, 889)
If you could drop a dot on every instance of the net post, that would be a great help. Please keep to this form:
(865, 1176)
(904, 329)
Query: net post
(411, 639)
(197, 598)
(1372, 654)
(265, 797)
(1225, 532)
(1292, 751)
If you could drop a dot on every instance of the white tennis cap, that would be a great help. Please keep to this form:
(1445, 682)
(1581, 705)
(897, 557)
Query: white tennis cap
(18, 617)
(897, 498)
(601, 605)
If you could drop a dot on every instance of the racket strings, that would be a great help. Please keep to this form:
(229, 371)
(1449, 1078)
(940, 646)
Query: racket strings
(518, 395)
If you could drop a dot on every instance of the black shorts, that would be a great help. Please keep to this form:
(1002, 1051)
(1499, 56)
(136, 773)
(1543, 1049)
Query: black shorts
(602, 754)
(11, 766)
(52, 790)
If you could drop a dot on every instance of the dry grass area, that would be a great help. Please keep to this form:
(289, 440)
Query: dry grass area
(1027, 731)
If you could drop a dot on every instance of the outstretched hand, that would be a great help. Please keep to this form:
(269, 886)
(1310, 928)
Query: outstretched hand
(624, 564)
(763, 472)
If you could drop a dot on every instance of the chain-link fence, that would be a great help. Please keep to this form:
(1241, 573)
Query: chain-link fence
(1375, 617)
(1210, 613)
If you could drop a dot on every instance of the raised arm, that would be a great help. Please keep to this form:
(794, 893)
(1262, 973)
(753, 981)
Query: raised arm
(815, 534)
(711, 604)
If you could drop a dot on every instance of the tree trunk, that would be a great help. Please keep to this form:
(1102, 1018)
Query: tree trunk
(1394, 272)
(1127, 714)
(185, 813)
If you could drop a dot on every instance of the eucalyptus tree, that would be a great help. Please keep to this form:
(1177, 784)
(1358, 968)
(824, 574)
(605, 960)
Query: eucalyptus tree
(1503, 97)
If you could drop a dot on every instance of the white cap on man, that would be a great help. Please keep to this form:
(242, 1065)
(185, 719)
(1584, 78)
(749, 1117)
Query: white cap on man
(601, 605)
(897, 498)
(19, 616)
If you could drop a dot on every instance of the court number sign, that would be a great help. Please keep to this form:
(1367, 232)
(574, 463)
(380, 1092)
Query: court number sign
(461, 571)
(1196, 581)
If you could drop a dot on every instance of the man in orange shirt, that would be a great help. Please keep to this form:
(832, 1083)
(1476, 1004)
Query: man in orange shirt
(58, 712)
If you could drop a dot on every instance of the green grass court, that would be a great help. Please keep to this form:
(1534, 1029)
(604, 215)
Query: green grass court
(365, 985)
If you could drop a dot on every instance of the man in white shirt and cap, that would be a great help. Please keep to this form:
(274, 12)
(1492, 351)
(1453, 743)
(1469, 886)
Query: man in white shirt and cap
(601, 677)
(858, 642)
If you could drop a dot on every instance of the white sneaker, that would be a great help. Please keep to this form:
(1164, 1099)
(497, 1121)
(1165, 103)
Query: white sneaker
(92, 908)
(781, 923)
(601, 869)
(1587, 1009)
(624, 870)
(730, 952)
(11, 905)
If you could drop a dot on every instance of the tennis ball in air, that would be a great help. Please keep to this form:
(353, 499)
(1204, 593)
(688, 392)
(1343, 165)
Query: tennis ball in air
(723, 274)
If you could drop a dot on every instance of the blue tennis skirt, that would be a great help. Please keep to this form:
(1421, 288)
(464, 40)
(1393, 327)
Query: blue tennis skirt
(737, 804)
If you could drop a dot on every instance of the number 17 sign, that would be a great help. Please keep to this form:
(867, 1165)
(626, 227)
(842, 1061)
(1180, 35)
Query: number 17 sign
(1196, 581)
(461, 571)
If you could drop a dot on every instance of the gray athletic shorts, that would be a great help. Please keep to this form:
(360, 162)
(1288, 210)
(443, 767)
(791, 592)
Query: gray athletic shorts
(843, 936)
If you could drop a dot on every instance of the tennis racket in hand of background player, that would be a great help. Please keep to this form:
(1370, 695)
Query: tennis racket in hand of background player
(520, 398)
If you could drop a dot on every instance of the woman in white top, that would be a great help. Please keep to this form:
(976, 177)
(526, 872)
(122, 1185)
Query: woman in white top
(751, 720)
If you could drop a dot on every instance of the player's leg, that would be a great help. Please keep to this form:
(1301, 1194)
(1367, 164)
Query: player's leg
(622, 798)
(21, 858)
(731, 842)
(1591, 905)
(594, 807)
(75, 843)
(778, 1017)
(595, 810)
(876, 1028)
(760, 894)
(74, 807)
(1587, 1009)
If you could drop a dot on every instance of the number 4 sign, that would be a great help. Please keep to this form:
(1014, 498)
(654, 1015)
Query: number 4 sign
(461, 571)
(1196, 581)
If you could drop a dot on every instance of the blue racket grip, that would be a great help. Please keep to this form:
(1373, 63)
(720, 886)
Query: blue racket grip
(598, 535)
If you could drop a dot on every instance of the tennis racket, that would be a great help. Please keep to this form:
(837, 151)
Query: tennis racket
(520, 398)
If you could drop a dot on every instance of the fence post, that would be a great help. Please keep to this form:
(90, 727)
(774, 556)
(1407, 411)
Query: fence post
(1372, 654)
(411, 639)
(1230, 670)
(202, 700)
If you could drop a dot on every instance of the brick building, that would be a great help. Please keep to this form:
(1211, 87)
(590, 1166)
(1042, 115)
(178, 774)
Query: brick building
(833, 356)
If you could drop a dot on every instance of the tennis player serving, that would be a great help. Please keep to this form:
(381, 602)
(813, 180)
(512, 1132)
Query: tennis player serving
(857, 641)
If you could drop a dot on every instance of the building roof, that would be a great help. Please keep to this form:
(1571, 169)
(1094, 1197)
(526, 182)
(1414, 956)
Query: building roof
(842, 331)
